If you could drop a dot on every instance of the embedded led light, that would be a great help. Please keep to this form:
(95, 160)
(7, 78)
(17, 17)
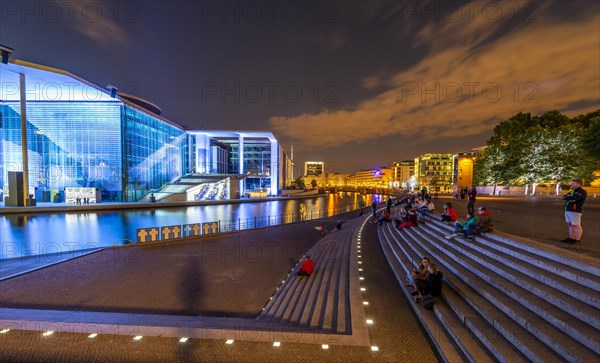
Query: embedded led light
(277, 344)
(370, 321)
(138, 337)
(361, 278)
(92, 336)
(229, 341)
(325, 346)
(360, 269)
(365, 303)
(363, 289)
(183, 340)
(359, 256)
(4, 331)
(374, 348)
(48, 333)
(359, 262)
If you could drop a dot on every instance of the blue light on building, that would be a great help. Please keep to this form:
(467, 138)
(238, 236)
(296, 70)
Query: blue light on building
(78, 135)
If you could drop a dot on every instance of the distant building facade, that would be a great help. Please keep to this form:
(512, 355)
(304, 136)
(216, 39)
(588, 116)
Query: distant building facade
(314, 167)
(402, 172)
(435, 171)
(372, 178)
(464, 163)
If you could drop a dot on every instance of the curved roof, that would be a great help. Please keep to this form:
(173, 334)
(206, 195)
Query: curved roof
(145, 104)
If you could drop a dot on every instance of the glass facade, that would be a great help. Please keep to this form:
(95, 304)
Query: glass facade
(69, 144)
(80, 137)
(255, 155)
(153, 153)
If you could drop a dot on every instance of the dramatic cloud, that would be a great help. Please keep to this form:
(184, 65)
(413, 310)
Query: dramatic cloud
(479, 71)
(98, 23)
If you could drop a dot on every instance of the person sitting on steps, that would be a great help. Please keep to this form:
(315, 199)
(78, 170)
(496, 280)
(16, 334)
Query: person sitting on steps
(418, 277)
(449, 214)
(485, 223)
(307, 267)
(466, 228)
(411, 222)
(431, 285)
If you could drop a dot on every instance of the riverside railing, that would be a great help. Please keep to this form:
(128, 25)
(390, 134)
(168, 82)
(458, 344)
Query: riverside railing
(171, 232)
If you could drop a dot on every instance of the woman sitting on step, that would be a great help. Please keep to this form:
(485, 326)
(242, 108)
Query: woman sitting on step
(411, 222)
(466, 228)
(433, 284)
(418, 277)
(449, 214)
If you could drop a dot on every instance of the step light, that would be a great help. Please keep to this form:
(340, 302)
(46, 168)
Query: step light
(183, 340)
(325, 346)
(48, 333)
(92, 336)
(229, 341)
(277, 344)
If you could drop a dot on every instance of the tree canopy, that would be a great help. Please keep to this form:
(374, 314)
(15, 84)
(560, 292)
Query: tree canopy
(527, 149)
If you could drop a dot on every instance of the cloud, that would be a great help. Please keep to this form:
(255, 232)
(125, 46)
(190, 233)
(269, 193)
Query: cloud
(98, 25)
(478, 72)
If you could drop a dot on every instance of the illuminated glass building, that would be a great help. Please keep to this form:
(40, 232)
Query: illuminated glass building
(255, 157)
(81, 135)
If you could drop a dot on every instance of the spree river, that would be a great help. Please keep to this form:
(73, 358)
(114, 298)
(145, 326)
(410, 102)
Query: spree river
(28, 234)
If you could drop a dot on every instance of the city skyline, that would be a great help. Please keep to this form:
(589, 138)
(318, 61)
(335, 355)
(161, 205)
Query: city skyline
(358, 86)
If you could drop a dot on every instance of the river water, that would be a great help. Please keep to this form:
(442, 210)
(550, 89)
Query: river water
(28, 234)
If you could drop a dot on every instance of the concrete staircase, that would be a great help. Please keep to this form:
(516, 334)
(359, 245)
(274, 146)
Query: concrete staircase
(322, 300)
(503, 300)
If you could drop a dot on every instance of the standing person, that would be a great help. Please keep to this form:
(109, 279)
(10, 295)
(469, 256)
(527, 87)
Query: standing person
(388, 205)
(302, 211)
(573, 209)
(423, 192)
(374, 209)
(472, 198)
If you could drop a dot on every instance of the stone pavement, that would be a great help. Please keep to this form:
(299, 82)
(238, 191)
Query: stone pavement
(395, 331)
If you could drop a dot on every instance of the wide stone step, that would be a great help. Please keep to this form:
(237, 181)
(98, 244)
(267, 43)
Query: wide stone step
(480, 283)
(321, 300)
(516, 289)
(443, 341)
(575, 298)
(324, 262)
(546, 287)
(585, 274)
(521, 340)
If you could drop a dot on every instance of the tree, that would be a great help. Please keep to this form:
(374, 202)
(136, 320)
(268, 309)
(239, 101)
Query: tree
(527, 150)
(313, 183)
(489, 168)
(591, 139)
(299, 182)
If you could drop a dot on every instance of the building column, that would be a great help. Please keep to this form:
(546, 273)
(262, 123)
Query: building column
(242, 182)
(274, 168)
(24, 156)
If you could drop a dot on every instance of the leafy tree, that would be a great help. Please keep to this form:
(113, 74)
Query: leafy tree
(527, 150)
(591, 139)
(313, 183)
(299, 182)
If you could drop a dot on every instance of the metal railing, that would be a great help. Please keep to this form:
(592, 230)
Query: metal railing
(279, 219)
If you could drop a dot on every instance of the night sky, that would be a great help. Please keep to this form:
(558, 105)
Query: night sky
(357, 84)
